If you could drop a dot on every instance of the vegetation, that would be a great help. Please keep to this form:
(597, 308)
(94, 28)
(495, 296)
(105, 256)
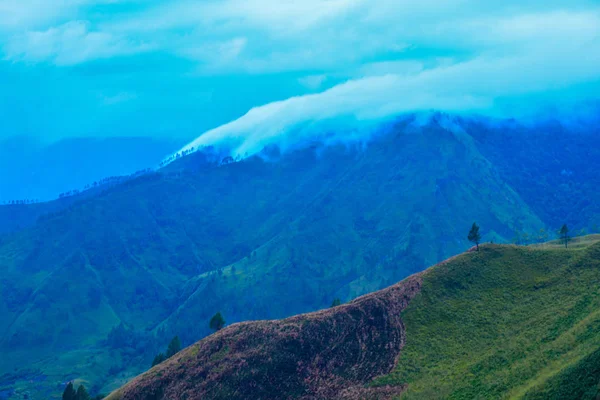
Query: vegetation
(217, 322)
(548, 166)
(336, 302)
(259, 239)
(474, 235)
(173, 348)
(70, 393)
(82, 393)
(508, 322)
(504, 322)
(160, 357)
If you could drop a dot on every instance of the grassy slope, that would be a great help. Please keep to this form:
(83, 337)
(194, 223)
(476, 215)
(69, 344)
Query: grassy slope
(329, 354)
(508, 322)
(505, 322)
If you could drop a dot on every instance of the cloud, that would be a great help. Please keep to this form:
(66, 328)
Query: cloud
(279, 16)
(495, 82)
(217, 54)
(312, 82)
(27, 13)
(69, 44)
(23, 15)
(368, 59)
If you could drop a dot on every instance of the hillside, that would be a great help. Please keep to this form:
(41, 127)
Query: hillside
(265, 237)
(506, 322)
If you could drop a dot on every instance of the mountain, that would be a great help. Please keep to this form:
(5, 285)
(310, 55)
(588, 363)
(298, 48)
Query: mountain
(505, 322)
(39, 171)
(94, 288)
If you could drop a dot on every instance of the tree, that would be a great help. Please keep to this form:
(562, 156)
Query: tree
(217, 322)
(160, 357)
(82, 393)
(564, 235)
(474, 235)
(174, 347)
(336, 302)
(69, 393)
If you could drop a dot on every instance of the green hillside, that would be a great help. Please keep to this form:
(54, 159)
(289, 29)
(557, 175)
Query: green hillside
(507, 322)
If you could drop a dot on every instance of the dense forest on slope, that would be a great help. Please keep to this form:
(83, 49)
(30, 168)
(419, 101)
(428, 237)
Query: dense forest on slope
(550, 166)
(94, 289)
(504, 322)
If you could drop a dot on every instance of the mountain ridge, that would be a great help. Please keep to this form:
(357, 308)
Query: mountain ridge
(325, 376)
(263, 237)
(181, 375)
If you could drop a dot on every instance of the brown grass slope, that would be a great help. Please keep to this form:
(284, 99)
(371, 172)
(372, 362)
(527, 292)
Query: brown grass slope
(330, 354)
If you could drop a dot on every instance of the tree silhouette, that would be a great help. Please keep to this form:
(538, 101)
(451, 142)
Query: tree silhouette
(160, 357)
(82, 393)
(69, 393)
(564, 235)
(217, 322)
(474, 235)
(336, 302)
(174, 347)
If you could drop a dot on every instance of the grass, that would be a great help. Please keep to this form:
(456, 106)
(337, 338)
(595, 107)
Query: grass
(574, 243)
(507, 322)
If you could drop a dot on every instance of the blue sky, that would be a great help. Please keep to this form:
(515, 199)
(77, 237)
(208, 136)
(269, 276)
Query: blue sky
(182, 67)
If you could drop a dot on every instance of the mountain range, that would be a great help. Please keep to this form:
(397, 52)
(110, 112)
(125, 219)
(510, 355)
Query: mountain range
(39, 171)
(94, 285)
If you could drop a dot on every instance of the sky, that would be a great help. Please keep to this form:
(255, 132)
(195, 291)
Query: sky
(251, 71)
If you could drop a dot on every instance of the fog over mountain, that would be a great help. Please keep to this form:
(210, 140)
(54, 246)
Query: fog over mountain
(525, 77)
(181, 68)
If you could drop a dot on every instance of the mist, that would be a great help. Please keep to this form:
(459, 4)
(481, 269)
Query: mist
(558, 82)
(187, 68)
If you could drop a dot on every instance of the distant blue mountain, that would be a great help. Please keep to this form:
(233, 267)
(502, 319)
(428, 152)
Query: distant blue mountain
(35, 171)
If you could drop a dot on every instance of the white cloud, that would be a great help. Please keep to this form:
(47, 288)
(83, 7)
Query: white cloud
(22, 15)
(478, 84)
(265, 36)
(398, 55)
(289, 35)
(313, 82)
(216, 54)
(27, 13)
(68, 44)
(281, 16)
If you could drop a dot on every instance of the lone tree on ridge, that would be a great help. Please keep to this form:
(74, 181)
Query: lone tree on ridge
(474, 235)
(564, 235)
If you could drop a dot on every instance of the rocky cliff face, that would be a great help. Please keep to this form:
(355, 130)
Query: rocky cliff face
(331, 354)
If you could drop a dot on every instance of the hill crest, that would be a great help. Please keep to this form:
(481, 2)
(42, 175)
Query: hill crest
(264, 358)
